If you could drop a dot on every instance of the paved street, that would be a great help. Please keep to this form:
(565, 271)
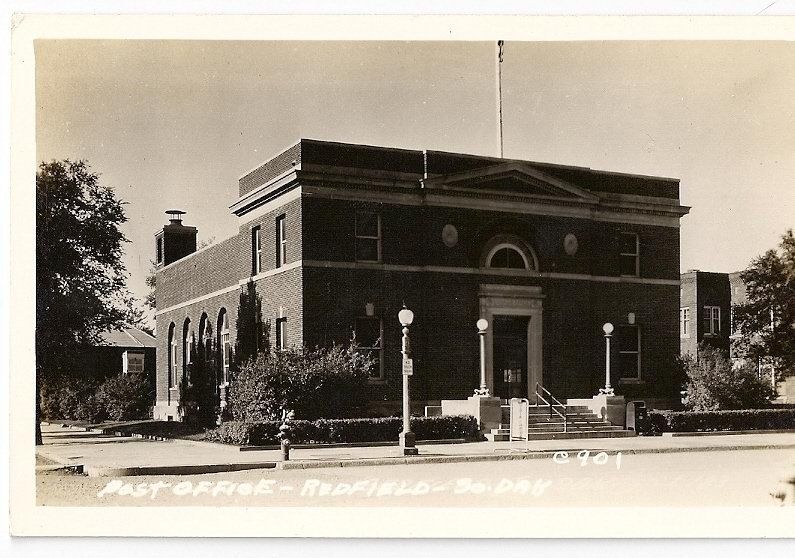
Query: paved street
(715, 478)
(108, 454)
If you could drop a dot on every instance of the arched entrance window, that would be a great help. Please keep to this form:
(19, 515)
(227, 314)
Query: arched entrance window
(509, 252)
(507, 256)
(172, 355)
(224, 345)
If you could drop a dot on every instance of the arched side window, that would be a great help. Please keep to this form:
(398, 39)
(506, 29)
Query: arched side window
(509, 252)
(204, 335)
(172, 355)
(187, 346)
(224, 344)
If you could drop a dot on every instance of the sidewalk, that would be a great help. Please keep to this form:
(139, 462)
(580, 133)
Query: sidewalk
(110, 455)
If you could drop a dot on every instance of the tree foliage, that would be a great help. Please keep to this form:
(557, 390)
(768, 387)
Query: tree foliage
(81, 281)
(714, 383)
(766, 323)
(253, 335)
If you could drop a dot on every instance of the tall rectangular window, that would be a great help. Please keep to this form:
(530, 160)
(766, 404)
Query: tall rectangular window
(684, 322)
(629, 258)
(368, 332)
(159, 250)
(629, 352)
(712, 320)
(368, 236)
(281, 241)
(256, 250)
(281, 333)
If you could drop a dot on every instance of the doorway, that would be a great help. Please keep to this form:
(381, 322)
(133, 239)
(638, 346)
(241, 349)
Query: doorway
(510, 356)
(513, 338)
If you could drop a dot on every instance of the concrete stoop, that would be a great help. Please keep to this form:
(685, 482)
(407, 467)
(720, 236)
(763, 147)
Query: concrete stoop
(581, 422)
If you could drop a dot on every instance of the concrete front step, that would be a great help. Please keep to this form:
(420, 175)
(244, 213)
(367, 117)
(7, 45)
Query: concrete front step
(581, 422)
(564, 435)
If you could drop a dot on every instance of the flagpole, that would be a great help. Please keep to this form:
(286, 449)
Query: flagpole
(500, 47)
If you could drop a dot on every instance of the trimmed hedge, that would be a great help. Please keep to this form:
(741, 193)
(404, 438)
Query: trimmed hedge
(119, 397)
(324, 431)
(709, 421)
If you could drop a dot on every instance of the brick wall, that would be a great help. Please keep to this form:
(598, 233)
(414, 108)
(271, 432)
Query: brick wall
(223, 266)
(688, 345)
(412, 235)
(445, 341)
(269, 170)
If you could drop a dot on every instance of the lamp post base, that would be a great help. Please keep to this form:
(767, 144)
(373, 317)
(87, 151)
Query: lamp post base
(407, 440)
(607, 391)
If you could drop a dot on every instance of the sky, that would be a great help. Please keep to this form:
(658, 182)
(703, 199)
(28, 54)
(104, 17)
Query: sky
(174, 124)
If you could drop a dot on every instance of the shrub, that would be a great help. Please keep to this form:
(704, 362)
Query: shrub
(707, 421)
(714, 383)
(69, 399)
(329, 383)
(345, 430)
(126, 397)
(118, 398)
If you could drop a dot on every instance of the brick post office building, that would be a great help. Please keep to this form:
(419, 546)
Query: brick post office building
(335, 238)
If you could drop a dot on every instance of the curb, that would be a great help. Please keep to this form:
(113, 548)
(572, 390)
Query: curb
(727, 432)
(435, 459)
(144, 470)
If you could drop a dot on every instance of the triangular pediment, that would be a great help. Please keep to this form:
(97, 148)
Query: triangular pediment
(511, 178)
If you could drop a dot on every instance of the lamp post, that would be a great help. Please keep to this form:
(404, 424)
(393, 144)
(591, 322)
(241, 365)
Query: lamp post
(407, 437)
(607, 390)
(482, 325)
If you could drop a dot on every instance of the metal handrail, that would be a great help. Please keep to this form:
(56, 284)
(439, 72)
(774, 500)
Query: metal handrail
(541, 389)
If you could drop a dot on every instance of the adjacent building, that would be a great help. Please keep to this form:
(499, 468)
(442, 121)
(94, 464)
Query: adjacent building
(706, 315)
(705, 312)
(123, 351)
(335, 238)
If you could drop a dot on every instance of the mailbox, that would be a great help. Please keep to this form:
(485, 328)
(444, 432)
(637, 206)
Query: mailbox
(636, 415)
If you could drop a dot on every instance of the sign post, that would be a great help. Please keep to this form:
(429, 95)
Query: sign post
(519, 420)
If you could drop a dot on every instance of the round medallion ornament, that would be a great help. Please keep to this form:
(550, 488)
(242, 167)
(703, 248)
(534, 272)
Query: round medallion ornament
(450, 235)
(570, 244)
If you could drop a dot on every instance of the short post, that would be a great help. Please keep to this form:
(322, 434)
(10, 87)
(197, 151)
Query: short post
(284, 433)
(607, 390)
(482, 325)
(407, 437)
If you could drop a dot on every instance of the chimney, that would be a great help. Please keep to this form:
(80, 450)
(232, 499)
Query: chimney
(175, 241)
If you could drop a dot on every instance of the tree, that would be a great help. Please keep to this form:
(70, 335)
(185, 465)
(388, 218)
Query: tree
(253, 335)
(766, 323)
(81, 282)
(714, 383)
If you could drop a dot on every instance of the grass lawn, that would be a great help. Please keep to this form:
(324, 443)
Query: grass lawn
(157, 428)
(162, 429)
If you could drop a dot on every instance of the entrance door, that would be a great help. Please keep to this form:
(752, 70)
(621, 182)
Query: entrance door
(510, 356)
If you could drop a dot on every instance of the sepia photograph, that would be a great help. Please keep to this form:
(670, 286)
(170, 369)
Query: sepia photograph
(498, 273)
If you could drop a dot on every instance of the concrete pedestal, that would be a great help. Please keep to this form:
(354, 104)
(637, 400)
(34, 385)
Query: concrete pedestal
(612, 408)
(407, 443)
(486, 410)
